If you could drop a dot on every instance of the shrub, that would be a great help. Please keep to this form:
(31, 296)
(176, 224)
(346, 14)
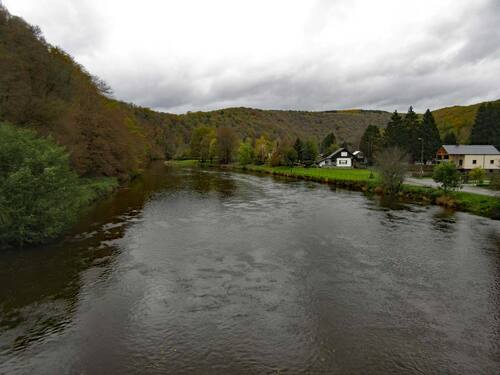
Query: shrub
(392, 165)
(448, 176)
(39, 193)
(477, 175)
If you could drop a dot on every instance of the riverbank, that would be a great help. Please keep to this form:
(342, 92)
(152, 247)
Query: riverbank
(366, 181)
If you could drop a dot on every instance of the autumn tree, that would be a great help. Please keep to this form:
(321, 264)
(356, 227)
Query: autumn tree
(227, 142)
(392, 165)
(262, 150)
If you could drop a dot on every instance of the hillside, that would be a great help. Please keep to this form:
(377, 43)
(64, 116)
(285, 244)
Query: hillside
(458, 119)
(42, 88)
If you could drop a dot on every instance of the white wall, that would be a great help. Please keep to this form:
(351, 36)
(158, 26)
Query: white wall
(344, 162)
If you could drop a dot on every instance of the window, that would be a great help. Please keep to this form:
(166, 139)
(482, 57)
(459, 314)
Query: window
(460, 162)
(474, 161)
(446, 157)
(343, 153)
(492, 161)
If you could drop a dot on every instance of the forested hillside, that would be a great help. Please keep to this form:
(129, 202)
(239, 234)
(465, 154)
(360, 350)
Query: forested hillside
(42, 88)
(457, 119)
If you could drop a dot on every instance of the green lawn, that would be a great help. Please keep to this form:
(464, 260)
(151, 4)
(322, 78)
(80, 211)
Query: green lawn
(319, 174)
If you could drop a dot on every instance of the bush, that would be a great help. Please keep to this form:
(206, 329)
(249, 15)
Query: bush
(392, 165)
(39, 193)
(477, 175)
(495, 181)
(448, 176)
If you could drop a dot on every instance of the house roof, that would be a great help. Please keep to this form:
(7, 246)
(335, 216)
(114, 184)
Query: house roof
(333, 154)
(471, 150)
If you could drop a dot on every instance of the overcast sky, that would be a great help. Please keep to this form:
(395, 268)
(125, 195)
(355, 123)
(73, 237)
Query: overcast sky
(181, 55)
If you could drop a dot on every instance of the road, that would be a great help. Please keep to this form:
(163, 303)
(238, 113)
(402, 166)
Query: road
(466, 188)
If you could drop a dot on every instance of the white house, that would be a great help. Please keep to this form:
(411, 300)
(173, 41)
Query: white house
(342, 158)
(468, 157)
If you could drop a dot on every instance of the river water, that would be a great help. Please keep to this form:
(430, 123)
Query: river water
(193, 271)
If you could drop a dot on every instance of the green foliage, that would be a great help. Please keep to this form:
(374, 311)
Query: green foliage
(396, 134)
(309, 152)
(486, 129)
(448, 176)
(477, 175)
(200, 142)
(430, 136)
(245, 153)
(450, 139)
(291, 156)
(39, 193)
(327, 143)
(299, 148)
(371, 141)
(495, 181)
(227, 141)
(262, 150)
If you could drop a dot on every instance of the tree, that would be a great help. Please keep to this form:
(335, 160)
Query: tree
(477, 175)
(392, 165)
(396, 134)
(212, 150)
(39, 193)
(245, 153)
(370, 142)
(448, 176)
(327, 142)
(309, 153)
(262, 150)
(413, 131)
(290, 156)
(227, 141)
(430, 136)
(299, 148)
(450, 139)
(197, 137)
(486, 128)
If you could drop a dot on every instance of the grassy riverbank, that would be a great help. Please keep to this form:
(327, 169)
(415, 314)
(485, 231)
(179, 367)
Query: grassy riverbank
(367, 181)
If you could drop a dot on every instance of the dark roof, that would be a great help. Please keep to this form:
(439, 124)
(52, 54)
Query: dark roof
(333, 154)
(471, 150)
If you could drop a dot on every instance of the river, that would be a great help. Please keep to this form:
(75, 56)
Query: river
(191, 271)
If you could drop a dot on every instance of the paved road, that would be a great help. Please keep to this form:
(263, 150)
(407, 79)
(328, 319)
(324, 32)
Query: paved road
(467, 188)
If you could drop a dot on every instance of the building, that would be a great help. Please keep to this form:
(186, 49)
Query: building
(468, 157)
(342, 158)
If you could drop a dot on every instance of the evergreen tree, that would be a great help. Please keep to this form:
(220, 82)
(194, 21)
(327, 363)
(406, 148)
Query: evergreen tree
(412, 133)
(299, 148)
(486, 129)
(370, 142)
(310, 152)
(430, 136)
(394, 132)
(327, 142)
(450, 139)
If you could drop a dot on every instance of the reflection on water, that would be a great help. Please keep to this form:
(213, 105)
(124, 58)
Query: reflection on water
(202, 271)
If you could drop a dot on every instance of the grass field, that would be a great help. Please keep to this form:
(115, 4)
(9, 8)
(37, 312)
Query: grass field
(319, 174)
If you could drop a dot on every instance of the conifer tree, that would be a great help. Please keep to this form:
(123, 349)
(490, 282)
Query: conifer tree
(430, 136)
(327, 142)
(393, 135)
(486, 129)
(370, 142)
(450, 139)
(299, 147)
(412, 132)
